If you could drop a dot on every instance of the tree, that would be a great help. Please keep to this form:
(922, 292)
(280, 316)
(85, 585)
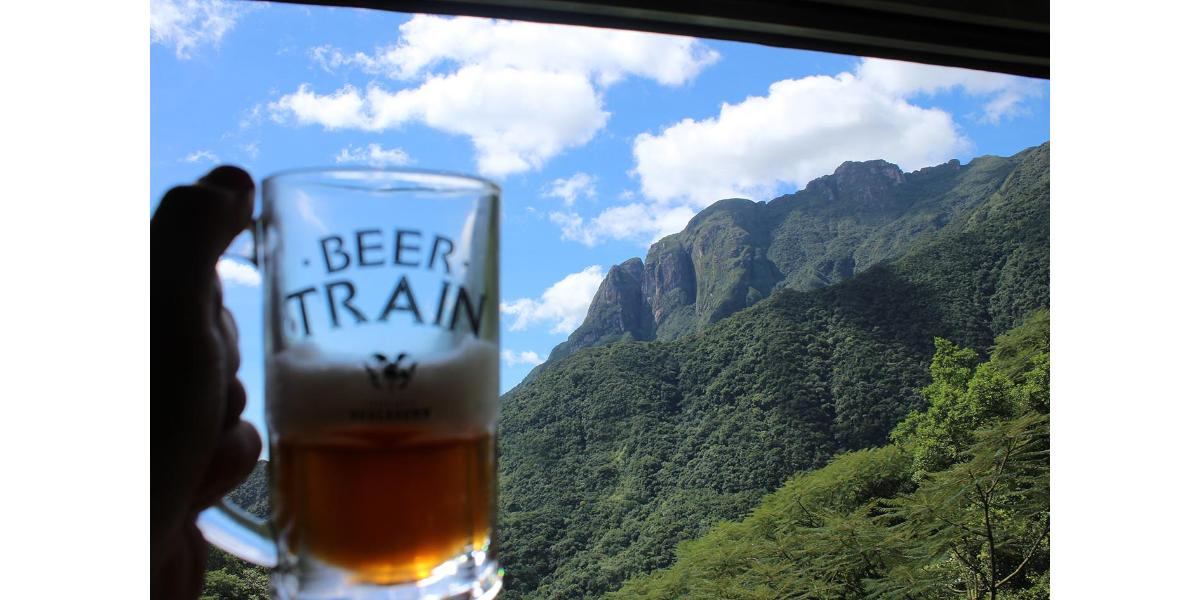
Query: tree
(938, 435)
(249, 584)
(1035, 392)
(231, 578)
(863, 528)
(980, 524)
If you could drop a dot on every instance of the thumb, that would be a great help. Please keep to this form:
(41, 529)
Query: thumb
(194, 224)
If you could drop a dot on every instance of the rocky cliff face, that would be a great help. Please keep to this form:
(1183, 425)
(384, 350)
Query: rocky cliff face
(872, 182)
(618, 311)
(736, 252)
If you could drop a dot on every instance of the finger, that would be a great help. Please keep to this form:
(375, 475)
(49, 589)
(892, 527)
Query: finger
(215, 209)
(229, 177)
(194, 224)
(234, 458)
(218, 291)
(240, 185)
(229, 332)
(235, 404)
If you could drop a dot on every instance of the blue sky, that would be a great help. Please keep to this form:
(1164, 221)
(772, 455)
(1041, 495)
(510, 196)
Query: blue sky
(602, 141)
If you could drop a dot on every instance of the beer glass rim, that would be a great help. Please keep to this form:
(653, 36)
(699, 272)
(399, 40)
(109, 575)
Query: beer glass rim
(385, 179)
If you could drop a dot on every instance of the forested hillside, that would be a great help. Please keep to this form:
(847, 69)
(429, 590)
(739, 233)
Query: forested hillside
(957, 507)
(227, 577)
(614, 455)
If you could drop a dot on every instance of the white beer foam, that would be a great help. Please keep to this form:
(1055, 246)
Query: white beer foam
(451, 393)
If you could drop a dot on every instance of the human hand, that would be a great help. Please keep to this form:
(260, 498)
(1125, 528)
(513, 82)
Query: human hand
(200, 447)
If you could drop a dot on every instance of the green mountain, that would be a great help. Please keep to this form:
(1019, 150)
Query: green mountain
(888, 523)
(227, 577)
(736, 252)
(613, 455)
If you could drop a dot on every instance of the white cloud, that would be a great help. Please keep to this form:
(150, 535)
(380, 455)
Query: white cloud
(331, 58)
(1004, 93)
(516, 119)
(1007, 104)
(802, 129)
(644, 222)
(251, 117)
(522, 92)
(236, 273)
(563, 305)
(527, 357)
(374, 155)
(339, 110)
(251, 150)
(605, 55)
(579, 184)
(189, 24)
(200, 155)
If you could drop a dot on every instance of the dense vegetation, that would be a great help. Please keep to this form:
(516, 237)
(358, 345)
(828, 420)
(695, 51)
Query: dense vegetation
(227, 577)
(957, 507)
(625, 467)
(616, 454)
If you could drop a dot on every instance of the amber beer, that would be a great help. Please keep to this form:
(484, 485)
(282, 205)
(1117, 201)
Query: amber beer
(384, 485)
(386, 507)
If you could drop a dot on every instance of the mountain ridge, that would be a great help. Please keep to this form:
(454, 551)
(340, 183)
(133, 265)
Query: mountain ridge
(736, 252)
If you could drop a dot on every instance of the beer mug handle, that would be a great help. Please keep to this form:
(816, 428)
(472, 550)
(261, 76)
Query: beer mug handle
(228, 527)
(225, 525)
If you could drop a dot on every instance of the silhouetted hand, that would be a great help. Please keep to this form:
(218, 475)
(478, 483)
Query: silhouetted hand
(200, 448)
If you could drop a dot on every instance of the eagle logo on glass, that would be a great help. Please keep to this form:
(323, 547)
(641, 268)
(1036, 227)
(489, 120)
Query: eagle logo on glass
(389, 373)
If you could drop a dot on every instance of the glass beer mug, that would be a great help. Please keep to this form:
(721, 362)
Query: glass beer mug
(381, 324)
